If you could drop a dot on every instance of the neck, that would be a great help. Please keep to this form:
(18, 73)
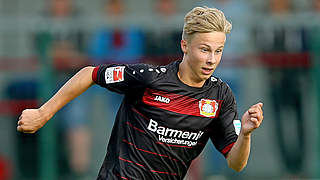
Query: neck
(185, 75)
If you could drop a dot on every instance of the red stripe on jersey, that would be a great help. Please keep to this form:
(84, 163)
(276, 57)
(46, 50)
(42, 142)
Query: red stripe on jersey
(95, 74)
(135, 110)
(130, 161)
(135, 128)
(162, 155)
(121, 177)
(227, 149)
(174, 174)
(162, 172)
(175, 102)
(173, 145)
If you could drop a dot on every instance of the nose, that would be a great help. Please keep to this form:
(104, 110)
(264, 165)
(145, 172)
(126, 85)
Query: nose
(211, 58)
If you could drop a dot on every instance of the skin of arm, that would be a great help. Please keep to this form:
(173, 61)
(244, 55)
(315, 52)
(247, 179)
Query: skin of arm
(237, 157)
(31, 120)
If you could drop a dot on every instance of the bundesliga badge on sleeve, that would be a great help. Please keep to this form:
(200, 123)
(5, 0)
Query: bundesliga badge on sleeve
(114, 74)
(208, 107)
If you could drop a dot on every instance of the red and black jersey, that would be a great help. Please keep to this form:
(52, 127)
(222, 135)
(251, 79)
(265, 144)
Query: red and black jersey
(163, 124)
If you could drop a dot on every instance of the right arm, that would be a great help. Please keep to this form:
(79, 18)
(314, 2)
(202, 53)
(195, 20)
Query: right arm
(33, 119)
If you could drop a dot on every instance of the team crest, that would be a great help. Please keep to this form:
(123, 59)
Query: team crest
(208, 107)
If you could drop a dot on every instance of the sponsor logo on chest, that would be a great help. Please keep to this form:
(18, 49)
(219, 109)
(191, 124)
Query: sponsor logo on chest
(174, 136)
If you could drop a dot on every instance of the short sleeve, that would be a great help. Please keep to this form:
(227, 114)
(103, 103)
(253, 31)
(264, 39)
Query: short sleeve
(124, 78)
(224, 134)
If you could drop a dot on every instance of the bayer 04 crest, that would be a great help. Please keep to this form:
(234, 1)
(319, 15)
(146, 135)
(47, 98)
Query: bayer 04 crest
(208, 107)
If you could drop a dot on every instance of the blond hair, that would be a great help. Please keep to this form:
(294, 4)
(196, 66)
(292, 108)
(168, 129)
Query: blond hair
(204, 20)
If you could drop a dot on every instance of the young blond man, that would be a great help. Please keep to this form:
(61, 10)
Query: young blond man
(169, 112)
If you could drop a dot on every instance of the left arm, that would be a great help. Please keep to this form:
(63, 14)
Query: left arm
(238, 156)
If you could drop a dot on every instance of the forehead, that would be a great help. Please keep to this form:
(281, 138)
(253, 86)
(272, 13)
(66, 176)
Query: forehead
(212, 39)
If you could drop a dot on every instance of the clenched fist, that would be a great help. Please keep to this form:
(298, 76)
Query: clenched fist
(31, 120)
(252, 119)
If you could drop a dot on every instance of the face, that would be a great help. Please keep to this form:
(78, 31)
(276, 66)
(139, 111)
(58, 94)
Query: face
(61, 8)
(316, 5)
(114, 7)
(202, 55)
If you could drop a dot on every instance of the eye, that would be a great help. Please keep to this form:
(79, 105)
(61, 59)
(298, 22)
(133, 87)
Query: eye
(218, 51)
(204, 49)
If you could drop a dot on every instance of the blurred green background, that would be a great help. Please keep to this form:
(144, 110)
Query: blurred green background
(272, 55)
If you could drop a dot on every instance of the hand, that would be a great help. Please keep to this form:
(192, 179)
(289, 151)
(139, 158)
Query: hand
(251, 119)
(31, 120)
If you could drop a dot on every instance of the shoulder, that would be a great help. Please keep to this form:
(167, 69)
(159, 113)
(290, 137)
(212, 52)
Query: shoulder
(147, 69)
(140, 71)
(218, 81)
(155, 70)
(224, 88)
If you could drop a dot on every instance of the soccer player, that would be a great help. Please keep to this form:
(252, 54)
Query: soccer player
(169, 112)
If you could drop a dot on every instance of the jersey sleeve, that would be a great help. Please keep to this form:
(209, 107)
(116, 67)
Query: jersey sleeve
(124, 78)
(224, 133)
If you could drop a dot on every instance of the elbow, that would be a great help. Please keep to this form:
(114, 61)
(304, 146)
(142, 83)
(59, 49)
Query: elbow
(90, 72)
(238, 167)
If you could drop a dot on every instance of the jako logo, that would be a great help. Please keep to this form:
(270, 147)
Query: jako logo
(162, 99)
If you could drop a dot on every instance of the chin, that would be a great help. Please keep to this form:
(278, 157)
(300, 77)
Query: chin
(204, 78)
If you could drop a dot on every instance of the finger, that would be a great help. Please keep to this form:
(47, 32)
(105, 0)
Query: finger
(254, 110)
(24, 111)
(20, 123)
(30, 132)
(255, 122)
(255, 115)
(258, 105)
(19, 128)
(258, 115)
(25, 129)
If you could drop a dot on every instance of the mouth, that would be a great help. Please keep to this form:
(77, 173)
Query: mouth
(207, 71)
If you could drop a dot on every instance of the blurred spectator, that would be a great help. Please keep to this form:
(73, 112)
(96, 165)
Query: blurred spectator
(284, 48)
(240, 14)
(314, 42)
(316, 6)
(278, 7)
(67, 38)
(166, 8)
(5, 169)
(275, 36)
(119, 43)
(314, 36)
(162, 43)
(66, 42)
(116, 44)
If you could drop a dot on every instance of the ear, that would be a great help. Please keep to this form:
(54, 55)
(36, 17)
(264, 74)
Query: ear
(184, 46)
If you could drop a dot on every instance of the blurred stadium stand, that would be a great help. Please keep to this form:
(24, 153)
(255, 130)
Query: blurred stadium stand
(289, 150)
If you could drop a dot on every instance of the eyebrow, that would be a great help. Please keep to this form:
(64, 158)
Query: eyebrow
(210, 46)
